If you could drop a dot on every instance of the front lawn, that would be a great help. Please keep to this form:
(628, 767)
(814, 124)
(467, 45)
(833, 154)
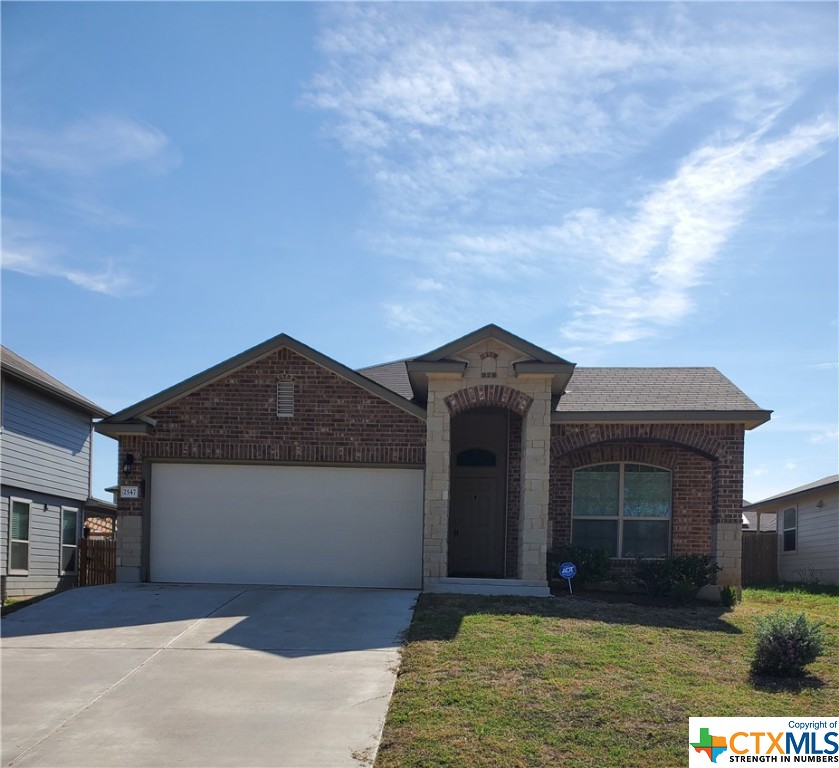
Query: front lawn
(577, 682)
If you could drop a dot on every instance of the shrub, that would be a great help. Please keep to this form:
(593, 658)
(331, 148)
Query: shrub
(683, 592)
(592, 564)
(785, 643)
(728, 596)
(661, 576)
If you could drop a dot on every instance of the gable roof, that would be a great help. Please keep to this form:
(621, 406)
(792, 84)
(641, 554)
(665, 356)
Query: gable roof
(21, 369)
(829, 483)
(135, 417)
(491, 331)
(444, 360)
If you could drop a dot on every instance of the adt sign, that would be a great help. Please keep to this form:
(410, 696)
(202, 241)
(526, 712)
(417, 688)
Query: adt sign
(568, 570)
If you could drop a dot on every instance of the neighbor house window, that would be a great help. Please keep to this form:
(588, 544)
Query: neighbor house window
(19, 536)
(622, 508)
(790, 529)
(285, 399)
(69, 539)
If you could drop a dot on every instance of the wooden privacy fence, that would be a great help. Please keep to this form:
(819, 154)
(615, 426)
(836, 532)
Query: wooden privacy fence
(97, 562)
(760, 557)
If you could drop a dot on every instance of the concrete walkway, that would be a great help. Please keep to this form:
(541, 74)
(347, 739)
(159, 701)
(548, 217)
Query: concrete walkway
(168, 675)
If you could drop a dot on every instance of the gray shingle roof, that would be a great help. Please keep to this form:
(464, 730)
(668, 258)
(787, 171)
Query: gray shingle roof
(20, 368)
(652, 389)
(627, 391)
(393, 376)
(824, 484)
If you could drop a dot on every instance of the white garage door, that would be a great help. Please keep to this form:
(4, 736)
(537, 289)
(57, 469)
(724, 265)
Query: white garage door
(213, 523)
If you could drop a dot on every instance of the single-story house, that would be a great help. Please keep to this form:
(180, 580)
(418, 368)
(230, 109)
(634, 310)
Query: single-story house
(808, 530)
(100, 519)
(46, 450)
(754, 521)
(456, 470)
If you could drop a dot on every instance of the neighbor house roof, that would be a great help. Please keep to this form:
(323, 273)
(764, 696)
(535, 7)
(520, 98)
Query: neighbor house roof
(20, 368)
(621, 394)
(829, 483)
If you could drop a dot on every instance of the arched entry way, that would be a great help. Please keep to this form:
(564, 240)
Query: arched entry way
(477, 510)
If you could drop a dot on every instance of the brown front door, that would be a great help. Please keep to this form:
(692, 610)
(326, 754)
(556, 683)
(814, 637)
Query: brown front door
(476, 529)
(477, 509)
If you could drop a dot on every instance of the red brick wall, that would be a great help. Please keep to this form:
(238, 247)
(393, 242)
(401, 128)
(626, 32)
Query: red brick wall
(235, 418)
(706, 462)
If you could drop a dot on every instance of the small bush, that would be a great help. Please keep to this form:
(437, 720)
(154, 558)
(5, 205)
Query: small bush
(683, 592)
(592, 564)
(728, 596)
(785, 643)
(661, 576)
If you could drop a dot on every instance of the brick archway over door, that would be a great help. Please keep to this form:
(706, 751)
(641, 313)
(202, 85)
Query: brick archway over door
(481, 395)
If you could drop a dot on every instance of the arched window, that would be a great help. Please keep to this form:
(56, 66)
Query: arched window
(475, 457)
(623, 508)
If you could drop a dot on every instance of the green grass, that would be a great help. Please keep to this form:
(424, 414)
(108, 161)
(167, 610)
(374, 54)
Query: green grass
(574, 682)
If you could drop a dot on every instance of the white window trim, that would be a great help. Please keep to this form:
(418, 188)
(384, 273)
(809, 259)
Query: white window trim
(28, 541)
(784, 529)
(61, 543)
(620, 516)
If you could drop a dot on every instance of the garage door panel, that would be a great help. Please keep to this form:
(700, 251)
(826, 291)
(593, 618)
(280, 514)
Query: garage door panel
(286, 525)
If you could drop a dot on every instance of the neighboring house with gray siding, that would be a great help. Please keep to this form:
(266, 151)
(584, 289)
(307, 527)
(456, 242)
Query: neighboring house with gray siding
(808, 530)
(45, 466)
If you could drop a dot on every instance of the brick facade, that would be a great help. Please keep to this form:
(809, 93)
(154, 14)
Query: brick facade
(707, 481)
(235, 419)
(337, 422)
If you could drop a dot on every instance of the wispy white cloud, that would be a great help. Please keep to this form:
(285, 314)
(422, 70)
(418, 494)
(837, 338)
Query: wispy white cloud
(108, 279)
(68, 167)
(475, 126)
(825, 436)
(27, 251)
(89, 146)
(650, 262)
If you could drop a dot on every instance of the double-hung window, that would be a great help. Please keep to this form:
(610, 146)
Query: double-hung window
(19, 536)
(622, 508)
(69, 539)
(790, 519)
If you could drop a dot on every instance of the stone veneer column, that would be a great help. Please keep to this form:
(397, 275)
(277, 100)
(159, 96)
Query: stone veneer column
(727, 532)
(727, 552)
(436, 525)
(533, 527)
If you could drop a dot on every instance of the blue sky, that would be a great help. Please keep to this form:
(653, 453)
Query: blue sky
(624, 184)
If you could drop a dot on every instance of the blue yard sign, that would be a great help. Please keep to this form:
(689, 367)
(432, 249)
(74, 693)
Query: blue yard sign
(568, 571)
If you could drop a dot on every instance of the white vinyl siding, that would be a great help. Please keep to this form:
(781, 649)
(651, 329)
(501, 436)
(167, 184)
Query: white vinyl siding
(623, 508)
(817, 545)
(315, 526)
(45, 445)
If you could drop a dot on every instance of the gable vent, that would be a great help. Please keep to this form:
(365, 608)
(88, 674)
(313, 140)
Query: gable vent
(285, 399)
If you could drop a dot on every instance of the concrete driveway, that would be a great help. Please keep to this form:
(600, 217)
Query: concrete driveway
(170, 675)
